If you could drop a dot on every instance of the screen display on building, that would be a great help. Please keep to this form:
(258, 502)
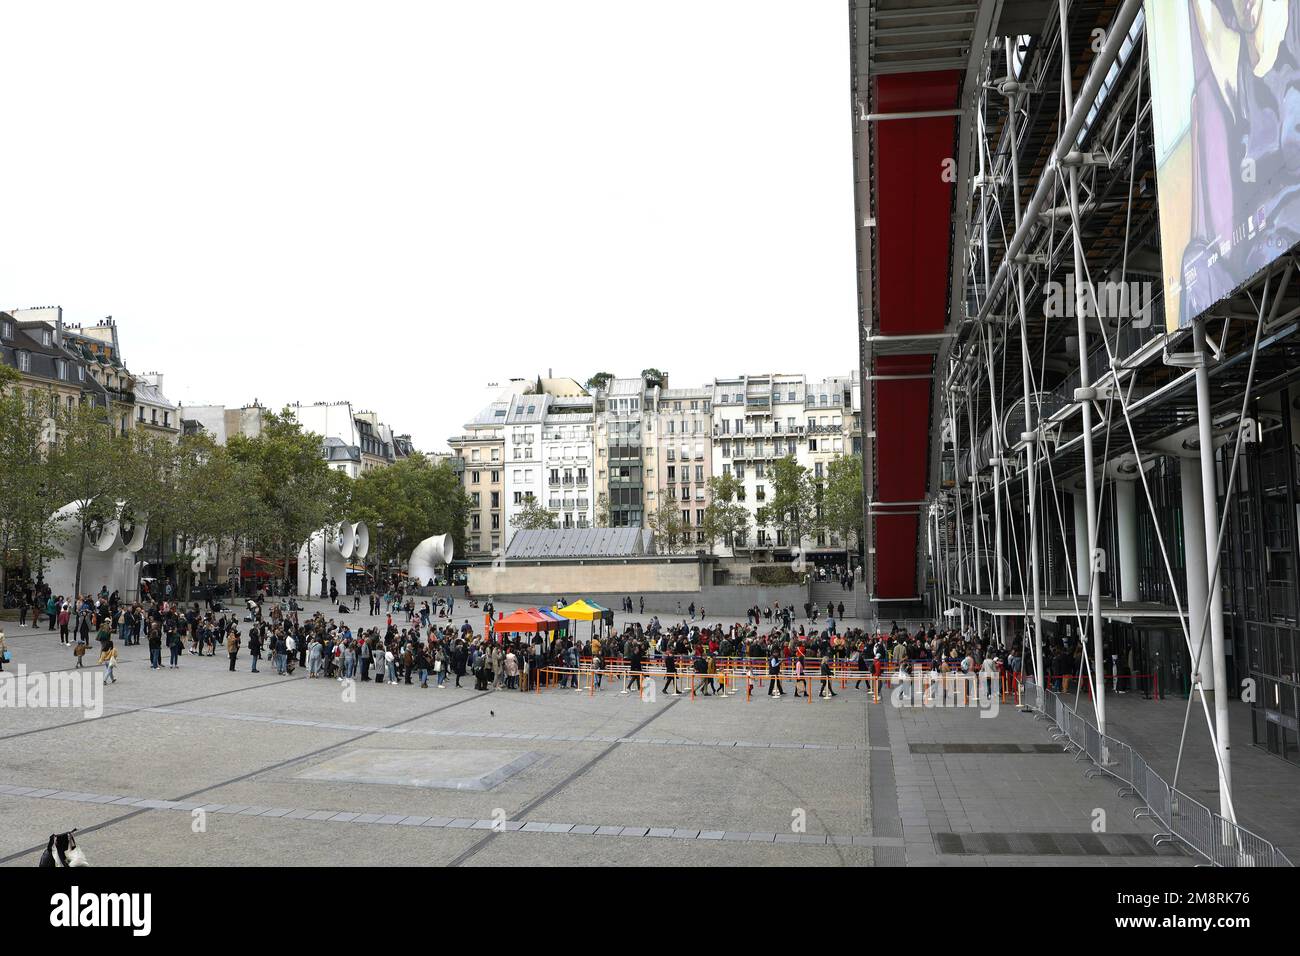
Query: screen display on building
(1225, 86)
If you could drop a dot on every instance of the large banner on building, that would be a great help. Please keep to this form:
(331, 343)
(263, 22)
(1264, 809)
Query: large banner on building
(1225, 84)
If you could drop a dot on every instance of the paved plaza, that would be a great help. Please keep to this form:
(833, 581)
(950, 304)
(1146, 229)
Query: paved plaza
(286, 770)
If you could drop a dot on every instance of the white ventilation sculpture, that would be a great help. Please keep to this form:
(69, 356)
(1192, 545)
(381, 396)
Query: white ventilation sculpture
(109, 558)
(327, 553)
(428, 555)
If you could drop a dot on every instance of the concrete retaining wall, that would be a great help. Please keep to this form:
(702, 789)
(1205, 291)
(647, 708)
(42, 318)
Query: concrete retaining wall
(578, 579)
(727, 603)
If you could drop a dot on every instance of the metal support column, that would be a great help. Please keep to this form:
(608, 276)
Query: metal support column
(1085, 383)
(1210, 507)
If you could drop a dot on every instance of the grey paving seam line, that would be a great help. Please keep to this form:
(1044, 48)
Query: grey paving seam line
(142, 805)
(537, 802)
(168, 709)
(135, 710)
(253, 773)
(885, 819)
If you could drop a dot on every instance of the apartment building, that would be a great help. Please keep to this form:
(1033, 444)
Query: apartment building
(568, 446)
(481, 449)
(52, 378)
(620, 463)
(678, 441)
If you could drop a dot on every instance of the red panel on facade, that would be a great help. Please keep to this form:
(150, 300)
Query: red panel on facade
(913, 202)
(902, 428)
(913, 244)
(896, 556)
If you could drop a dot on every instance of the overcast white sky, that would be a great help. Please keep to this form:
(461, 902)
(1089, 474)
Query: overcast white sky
(396, 203)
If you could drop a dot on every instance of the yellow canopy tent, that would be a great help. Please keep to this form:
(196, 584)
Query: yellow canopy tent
(581, 610)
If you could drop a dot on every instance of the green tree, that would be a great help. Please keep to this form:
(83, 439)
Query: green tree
(725, 519)
(299, 491)
(792, 501)
(599, 380)
(26, 500)
(602, 510)
(654, 377)
(666, 522)
(843, 501)
(413, 499)
(533, 517)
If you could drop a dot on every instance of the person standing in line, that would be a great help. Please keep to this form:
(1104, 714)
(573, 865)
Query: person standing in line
(421, 664)
(65, 616)
(174, 645)
(232, 647)
(255, 647)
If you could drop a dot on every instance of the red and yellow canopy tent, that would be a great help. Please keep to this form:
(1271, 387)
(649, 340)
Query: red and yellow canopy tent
(581, 610)
(527, 621)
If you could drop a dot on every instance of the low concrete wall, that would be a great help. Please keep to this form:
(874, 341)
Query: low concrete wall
(588, 578)
(724, 604)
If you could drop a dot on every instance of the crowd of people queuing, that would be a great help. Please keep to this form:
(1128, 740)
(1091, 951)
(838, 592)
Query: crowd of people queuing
(419, 643)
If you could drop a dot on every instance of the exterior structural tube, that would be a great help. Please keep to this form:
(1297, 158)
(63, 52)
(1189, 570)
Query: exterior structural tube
(1126, 524)
(428, 555)
(1082, 552)
(1189, 474)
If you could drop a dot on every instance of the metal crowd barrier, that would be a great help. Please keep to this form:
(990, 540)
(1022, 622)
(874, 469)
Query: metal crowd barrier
(1180, 817)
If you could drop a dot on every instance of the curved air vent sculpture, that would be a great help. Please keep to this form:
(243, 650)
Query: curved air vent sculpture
(428, 555)
(109, 560)
(331, 548)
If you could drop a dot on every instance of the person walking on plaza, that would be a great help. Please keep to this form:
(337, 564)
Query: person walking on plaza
(800, 677)
(774, 688)
(670, 674)
(634, 661)
(108, 657)
(827, 673)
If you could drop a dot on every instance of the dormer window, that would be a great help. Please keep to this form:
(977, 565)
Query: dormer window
(24, 361)
(6, 330)
(47, 337)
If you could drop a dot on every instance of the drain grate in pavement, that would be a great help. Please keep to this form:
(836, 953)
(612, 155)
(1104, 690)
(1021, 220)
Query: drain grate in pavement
(1049, 844)
(987, 749)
